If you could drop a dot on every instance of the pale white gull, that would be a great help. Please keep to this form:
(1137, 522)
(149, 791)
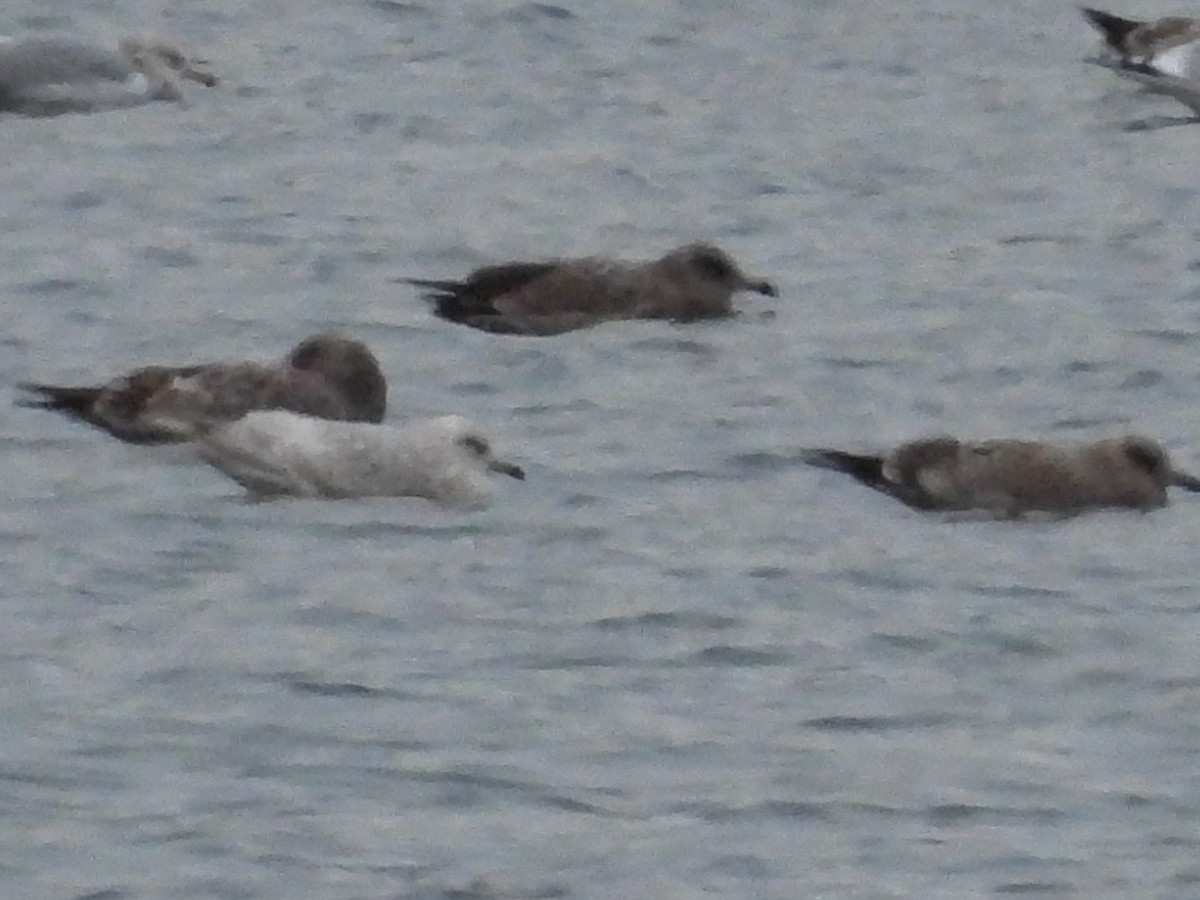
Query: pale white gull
(447, 459)
(45, 76)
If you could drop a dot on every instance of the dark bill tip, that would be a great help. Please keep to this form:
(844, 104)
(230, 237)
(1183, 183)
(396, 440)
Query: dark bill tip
(512, 470)
(208, 79)
(763, 287)
(1185, 481)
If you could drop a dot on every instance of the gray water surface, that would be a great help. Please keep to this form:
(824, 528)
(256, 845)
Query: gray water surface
(676, 662)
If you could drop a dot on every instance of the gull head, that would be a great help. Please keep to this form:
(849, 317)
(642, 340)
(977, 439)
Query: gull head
(475, 445)
(715, 266)
(151, 55)
(1150, 457)
(349, 367)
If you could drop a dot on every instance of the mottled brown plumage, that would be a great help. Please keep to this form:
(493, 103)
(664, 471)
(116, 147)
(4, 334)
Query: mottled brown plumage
(1140, 42)
(326, 375)
(1161, 55)
(1013, 477)
(551, 297)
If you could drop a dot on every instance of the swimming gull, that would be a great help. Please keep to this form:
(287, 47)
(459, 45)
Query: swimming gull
(325, 375)
(1013, 477)
(276, 452)
(51, 75)
(693, 282)
(1161, 55)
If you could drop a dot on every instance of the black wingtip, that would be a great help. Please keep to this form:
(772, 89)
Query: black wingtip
(430, 284)
(32, 403)
(864, 468)
(72, 400)
(1114, 28)
(32, 397)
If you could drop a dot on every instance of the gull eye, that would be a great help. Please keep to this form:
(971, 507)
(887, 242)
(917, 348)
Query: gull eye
(1145, 456)
(714, 265)
(475, 444)
(306, 356)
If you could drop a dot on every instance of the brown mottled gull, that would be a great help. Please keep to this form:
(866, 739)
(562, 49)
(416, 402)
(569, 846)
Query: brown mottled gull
(325, 375)
(53, 75)
(693, 282)
(1013, 477)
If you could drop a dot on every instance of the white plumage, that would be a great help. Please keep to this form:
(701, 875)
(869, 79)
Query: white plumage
(446, 459)
(44, 76)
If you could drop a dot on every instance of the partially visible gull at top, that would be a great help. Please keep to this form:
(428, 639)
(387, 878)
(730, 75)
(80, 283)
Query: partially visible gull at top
(275, 453)
(1010, 477)
(326, 375)
(1160, 54)
(690, 283)
(46, 76)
